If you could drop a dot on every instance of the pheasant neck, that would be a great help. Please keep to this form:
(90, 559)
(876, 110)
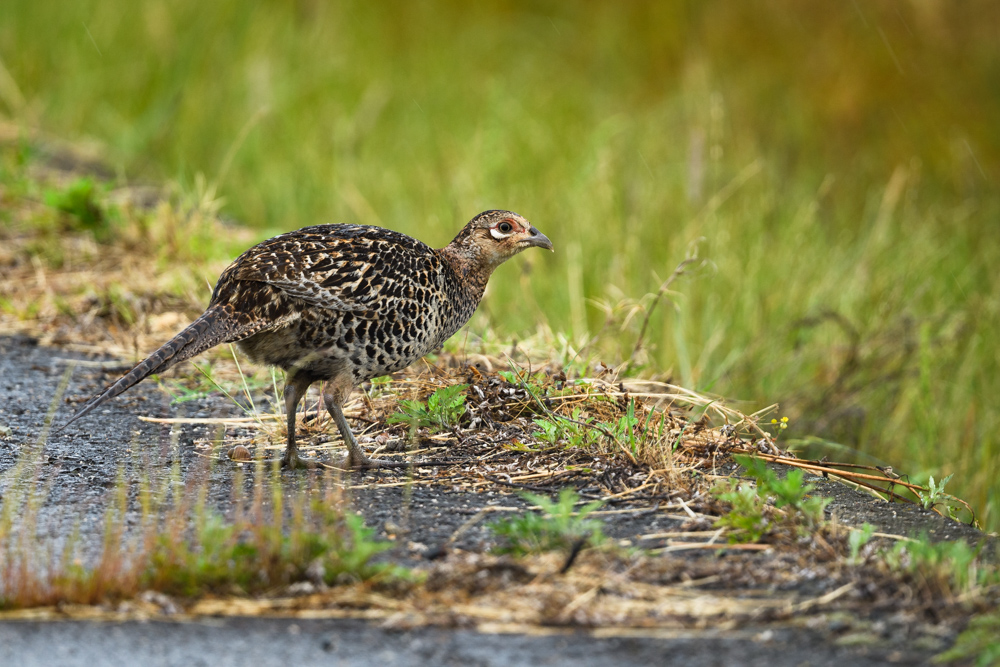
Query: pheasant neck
(471, 271)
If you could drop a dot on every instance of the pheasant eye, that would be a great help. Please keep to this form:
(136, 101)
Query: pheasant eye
(505, 227)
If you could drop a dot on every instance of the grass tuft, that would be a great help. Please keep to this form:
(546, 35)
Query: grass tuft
(183, 547)
(559, 526)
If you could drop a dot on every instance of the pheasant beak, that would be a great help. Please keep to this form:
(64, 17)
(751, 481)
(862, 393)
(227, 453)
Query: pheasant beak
(538, 240)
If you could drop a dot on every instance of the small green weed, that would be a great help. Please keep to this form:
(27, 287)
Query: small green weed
(443, 409)
(558, 527)
(551, 431)
(573, 432)
(935, 494)
(580, 430)
(789, 492)
(79, 202)
(747, 516)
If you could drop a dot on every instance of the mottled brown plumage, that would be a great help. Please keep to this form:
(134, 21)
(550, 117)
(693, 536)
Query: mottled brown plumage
(341, 304)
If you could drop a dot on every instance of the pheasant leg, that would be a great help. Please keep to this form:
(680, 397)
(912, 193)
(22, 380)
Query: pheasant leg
(295, 389)
(356, 457)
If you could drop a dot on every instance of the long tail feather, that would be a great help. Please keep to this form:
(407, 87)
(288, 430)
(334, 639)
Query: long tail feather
(212, 328)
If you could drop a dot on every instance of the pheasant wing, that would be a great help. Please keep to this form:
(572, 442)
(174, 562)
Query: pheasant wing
(339, 267)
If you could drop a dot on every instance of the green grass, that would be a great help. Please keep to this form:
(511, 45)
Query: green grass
(838, 160)
(181, 546)
(560, 527)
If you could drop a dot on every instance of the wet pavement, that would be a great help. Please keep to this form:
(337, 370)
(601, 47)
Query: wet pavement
(281, 642)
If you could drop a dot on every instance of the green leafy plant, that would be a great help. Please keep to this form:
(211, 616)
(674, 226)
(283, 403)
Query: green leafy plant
(789, 492)
(573, 432)
(746, 517)
(935, 494)
(551, 431)
(442, 410)
(558, 527)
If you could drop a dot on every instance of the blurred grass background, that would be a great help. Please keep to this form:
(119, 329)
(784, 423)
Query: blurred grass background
(838, 160)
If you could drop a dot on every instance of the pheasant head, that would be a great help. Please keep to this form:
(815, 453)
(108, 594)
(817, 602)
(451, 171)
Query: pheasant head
(489, 240)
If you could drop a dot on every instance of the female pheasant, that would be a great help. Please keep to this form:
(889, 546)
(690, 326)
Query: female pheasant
(341, 304)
